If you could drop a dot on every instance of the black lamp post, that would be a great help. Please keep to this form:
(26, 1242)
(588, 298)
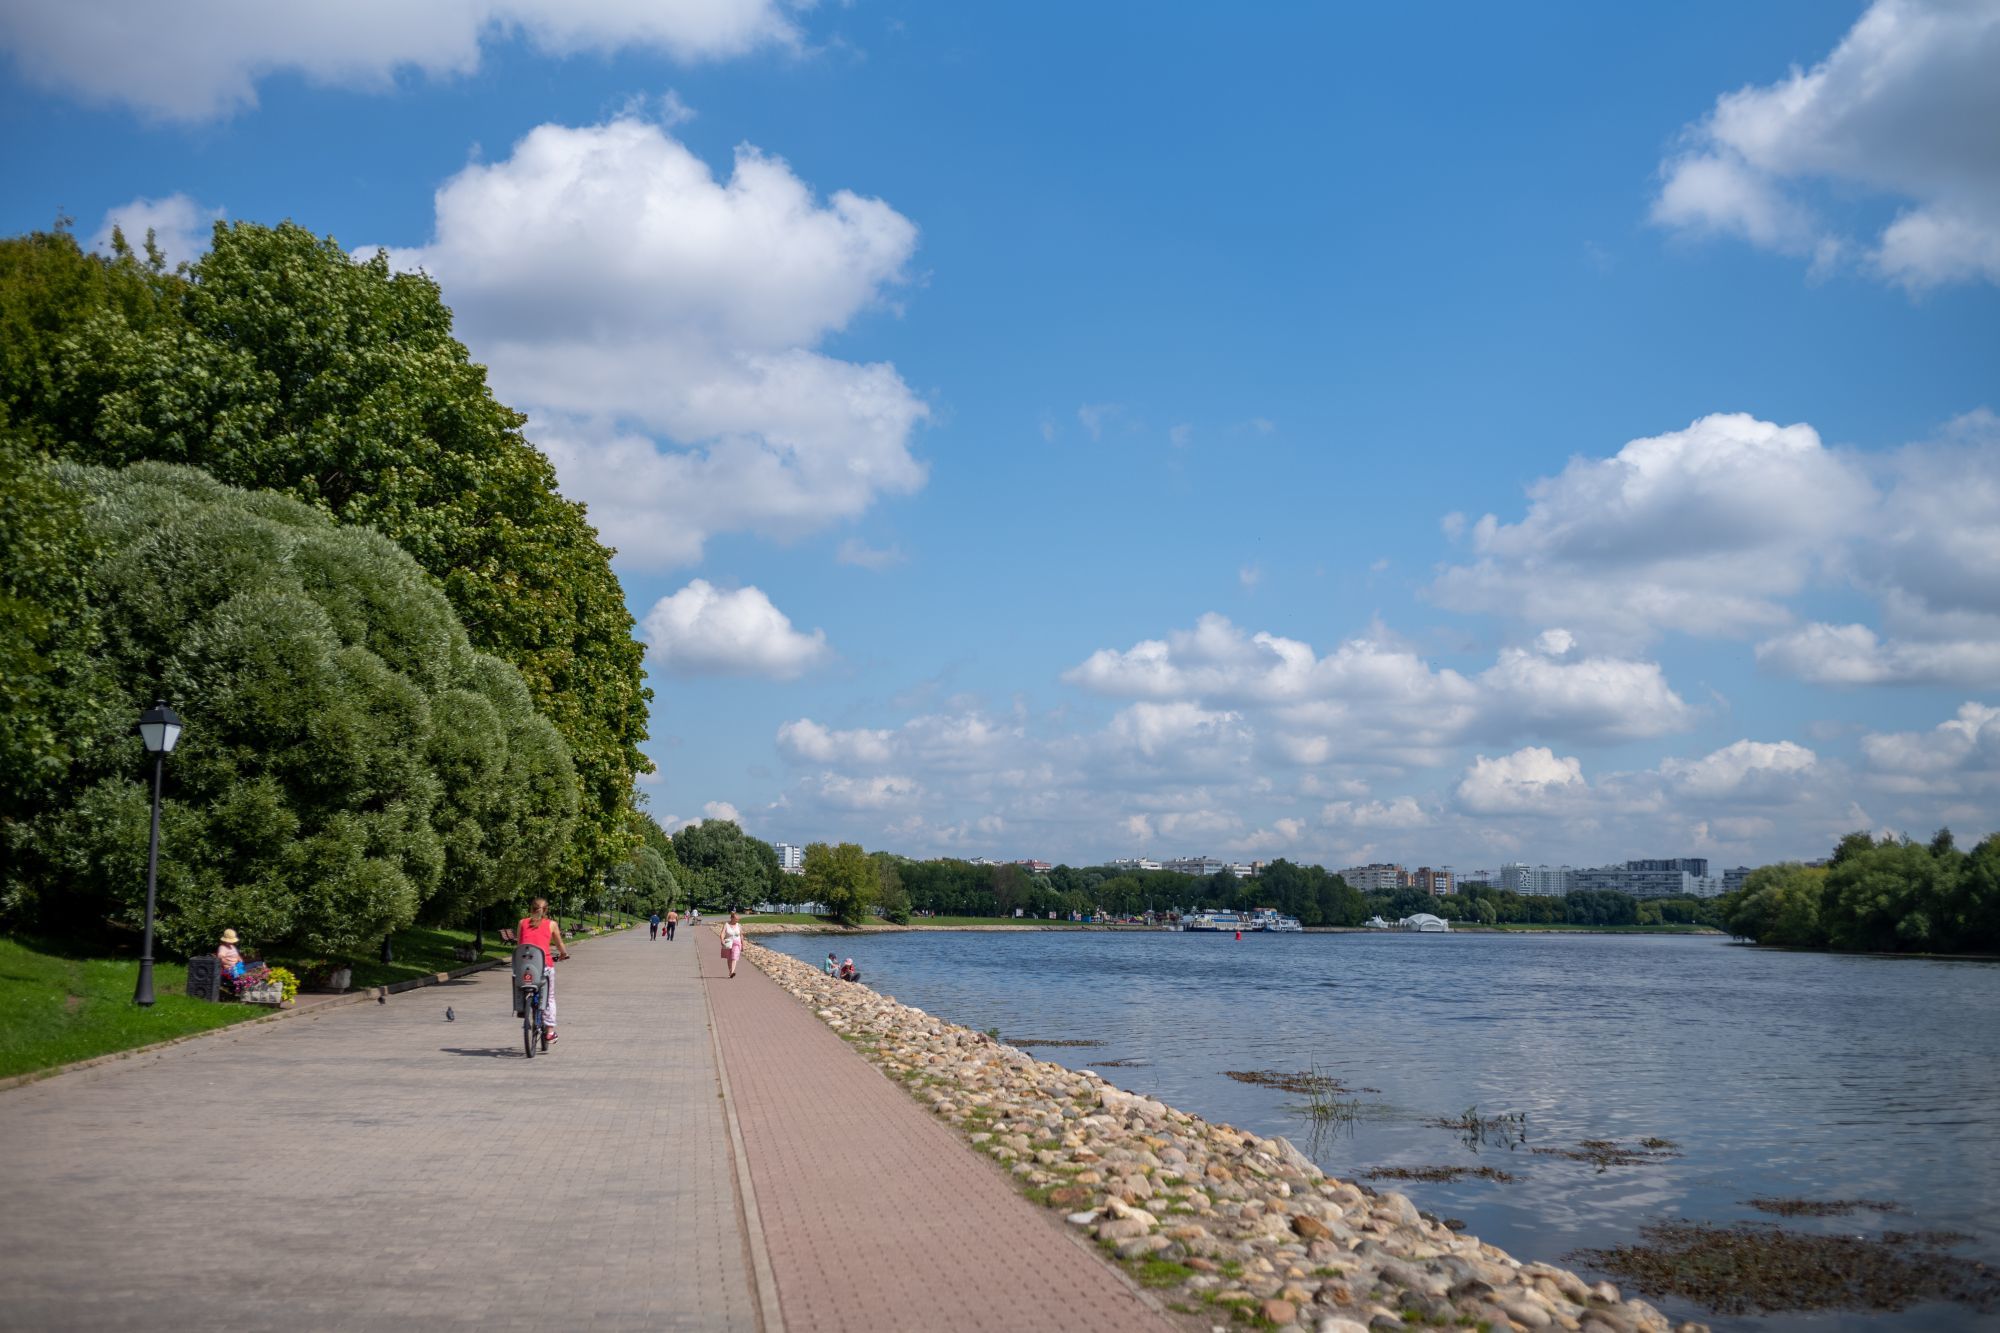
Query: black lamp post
(160, 729)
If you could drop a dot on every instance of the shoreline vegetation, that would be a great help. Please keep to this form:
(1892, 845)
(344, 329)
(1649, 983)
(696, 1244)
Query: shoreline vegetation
(1219, 1222)
(800, 923)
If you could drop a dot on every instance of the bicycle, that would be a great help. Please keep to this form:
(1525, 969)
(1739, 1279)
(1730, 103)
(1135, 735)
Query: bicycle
(530, 966)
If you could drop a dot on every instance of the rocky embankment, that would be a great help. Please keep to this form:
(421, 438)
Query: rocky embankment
(1218, 1220)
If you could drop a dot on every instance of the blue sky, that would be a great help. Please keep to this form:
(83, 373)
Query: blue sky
(1042, 431)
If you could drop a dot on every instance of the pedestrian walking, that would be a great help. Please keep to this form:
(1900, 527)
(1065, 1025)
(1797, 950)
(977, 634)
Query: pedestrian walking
(653, 927)
(732, 943)
(673, 918)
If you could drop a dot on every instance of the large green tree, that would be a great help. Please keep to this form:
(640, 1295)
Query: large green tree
(722, 866)
(351, 763)
(1781, 904)
(842, 879)
(280, 362)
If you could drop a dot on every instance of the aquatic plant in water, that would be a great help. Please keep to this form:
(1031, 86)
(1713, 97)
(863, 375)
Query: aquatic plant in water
(1753, 1268)
(1603, 1153)
(1506, 1129)
(1821, 1207)
(1443, 1175)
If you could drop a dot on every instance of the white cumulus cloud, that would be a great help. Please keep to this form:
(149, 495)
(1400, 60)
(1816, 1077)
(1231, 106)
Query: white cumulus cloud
(1744, 770)
(1966, 745)
(180, 227)
(1532, 780)
(703, 629)
(204, 58)
(1705, 530)
(1902, 109)
(659, 326)
(1372, 693)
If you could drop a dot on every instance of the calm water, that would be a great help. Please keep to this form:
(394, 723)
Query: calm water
(1778, 1073)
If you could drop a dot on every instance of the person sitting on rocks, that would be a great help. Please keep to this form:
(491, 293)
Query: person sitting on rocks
(849, 972)
(830, 967)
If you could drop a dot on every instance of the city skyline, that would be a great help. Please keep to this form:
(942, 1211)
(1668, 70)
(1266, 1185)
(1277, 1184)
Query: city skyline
(1027, 428)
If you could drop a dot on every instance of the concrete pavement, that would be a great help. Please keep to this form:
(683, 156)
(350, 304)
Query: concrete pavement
(375, 1166)
(378, 1167)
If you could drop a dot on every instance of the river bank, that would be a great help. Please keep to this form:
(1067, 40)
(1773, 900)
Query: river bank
(1214, 1217)
(753, 926)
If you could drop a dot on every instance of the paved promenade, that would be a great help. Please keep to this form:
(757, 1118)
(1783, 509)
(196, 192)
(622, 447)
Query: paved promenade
(374, 1166)
(877, 1216)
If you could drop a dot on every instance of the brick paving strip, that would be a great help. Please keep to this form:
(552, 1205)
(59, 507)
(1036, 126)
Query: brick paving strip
(877, 1216)
(374, 1167)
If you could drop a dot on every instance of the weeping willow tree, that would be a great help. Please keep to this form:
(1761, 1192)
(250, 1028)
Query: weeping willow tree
(351, 763)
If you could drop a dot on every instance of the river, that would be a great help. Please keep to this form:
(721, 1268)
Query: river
(1773, 1073)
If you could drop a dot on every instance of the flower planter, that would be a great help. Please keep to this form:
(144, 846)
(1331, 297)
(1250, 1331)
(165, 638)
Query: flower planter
(271, 993)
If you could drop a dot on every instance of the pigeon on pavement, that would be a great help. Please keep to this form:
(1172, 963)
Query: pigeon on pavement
(449, 1016)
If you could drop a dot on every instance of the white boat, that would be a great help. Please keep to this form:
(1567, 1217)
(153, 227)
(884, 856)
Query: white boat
(1271, 919)
(1214, 921)
(1376, 923)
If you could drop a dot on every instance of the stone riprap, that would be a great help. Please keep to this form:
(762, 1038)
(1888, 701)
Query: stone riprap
(1236, 1222)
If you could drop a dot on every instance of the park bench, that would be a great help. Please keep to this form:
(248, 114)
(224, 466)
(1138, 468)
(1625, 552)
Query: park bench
(204, 982)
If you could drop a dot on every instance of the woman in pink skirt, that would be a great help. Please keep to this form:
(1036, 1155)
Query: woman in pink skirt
(732, 943)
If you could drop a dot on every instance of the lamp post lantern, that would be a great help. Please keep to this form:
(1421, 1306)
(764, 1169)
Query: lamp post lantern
(160, 729)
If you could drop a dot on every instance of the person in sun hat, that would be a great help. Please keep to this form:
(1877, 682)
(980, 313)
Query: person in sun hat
(229, 955)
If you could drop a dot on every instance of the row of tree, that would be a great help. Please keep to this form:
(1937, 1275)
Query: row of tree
(274, 490)
(354, 764)
(1888, 896)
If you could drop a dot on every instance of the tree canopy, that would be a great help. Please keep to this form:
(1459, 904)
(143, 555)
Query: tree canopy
(1885, 895)
(843, 879)
(279, 362)
(722, 866)
(351, 763)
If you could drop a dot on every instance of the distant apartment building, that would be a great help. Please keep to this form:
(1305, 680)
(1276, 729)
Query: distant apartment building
(1437, 882)
(1651, 879)
(1693, 865)
(1199, 866)
(1035, 867)
(1535, 881)
(791, 858)
(1377, 877)
(1135, 863)
(1732, 880)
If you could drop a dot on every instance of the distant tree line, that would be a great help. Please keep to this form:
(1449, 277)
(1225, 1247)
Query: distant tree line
(1890, 895)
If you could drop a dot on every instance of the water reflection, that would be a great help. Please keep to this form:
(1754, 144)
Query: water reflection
(1772, 1074)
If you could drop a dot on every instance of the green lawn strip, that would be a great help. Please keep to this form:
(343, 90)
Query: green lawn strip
(63, 1009)
(421, 951)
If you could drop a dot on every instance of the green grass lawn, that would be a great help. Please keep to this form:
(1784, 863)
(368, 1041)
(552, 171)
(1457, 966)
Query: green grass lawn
(62, 1009)
(422, 951)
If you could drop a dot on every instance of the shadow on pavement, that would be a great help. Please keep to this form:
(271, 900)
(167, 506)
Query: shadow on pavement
(491, 1052)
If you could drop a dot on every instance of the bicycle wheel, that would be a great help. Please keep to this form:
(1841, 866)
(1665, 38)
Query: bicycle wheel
(528, 1027)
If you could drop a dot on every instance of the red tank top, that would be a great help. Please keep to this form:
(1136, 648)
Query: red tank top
(538, 933)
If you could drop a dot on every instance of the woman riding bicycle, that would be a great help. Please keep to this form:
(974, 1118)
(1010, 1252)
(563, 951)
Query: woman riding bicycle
(541, 930)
